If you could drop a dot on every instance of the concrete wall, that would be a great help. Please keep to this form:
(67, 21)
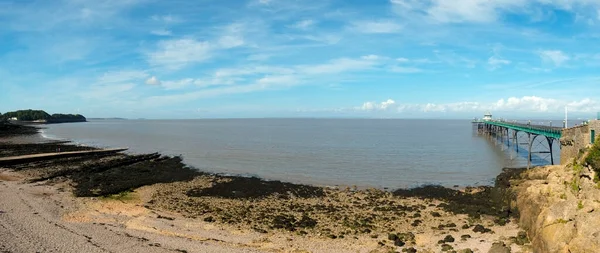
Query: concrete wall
(575, 139)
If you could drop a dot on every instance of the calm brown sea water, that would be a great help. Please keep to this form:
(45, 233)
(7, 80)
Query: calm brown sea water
(365, 152)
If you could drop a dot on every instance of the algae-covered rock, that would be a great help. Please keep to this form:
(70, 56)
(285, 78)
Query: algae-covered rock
(499, 247)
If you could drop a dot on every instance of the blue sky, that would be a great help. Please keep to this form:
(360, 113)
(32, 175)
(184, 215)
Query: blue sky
(293, 58)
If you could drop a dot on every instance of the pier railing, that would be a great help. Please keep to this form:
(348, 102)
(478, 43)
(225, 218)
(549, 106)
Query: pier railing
(548, 131)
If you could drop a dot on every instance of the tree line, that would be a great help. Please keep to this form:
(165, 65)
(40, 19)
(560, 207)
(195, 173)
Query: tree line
(33, 115)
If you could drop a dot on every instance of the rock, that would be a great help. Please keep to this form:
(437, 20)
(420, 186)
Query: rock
(416, 223)
(399, 243)
(466, 226)
(481, 229)
(449, 238)
(410, 250)
(465, 237)
(407, 237)
(392, 237)
(587, 237)
(436, 214)
(466, 251)
(555, 237)
(446, 247)
(521, 238)
(499, 247)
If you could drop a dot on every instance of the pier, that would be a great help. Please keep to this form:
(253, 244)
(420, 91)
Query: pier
(572, 140)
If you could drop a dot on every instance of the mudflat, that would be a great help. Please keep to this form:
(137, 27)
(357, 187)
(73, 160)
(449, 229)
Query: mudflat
(154, 203)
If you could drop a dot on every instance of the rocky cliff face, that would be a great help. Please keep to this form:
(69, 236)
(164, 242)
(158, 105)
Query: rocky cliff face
(559, 207)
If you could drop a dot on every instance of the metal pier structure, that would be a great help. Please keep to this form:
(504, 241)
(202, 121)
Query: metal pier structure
(507, 131)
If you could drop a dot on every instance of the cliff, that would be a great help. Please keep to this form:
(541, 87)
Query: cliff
(559, 205)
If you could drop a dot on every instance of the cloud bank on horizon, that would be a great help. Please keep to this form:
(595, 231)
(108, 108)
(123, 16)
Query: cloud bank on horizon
(289, 58)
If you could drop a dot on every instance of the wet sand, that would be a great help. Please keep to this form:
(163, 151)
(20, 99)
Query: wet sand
(150, 202)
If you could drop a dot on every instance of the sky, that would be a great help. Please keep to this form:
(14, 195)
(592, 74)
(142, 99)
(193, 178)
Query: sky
(182, 59)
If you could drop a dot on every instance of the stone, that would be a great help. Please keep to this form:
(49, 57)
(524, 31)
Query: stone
(449, 238)
(521, 238)
(481, 229)
(410, 250)
(499, 247)
(399, 243)
(446, 247)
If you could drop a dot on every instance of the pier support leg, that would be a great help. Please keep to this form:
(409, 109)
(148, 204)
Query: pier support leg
(529, 153)
(550, 141)
(516, 140)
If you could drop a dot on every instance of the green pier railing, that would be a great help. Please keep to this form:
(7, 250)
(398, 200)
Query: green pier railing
(548, 131)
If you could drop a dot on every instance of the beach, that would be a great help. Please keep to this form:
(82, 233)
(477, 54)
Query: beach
(155, 203)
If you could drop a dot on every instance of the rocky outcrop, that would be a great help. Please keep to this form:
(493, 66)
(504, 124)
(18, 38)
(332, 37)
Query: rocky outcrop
(559, 207)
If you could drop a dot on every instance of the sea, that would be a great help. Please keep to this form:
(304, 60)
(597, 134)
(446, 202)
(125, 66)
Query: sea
(380, 153)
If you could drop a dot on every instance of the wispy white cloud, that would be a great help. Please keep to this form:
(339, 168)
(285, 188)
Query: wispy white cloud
(340, 65)
(161, 32)
(525, 104)
(452, 58)
(178, 84)
(374, 106)
(483, 11)
(177, 53)
(406, 70)
(496, 62)
(167, 19)
(377, 26)
(230, 41)
(304, 24)
(44, 16)
(122, 76)
(257, 78)
(112, 85)
(152, 81)
(258, 57)
(555, 57)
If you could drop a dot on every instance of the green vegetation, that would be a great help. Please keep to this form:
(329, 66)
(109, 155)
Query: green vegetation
(58, 118)
(575, 185)
(28, 115)
(579, 205)
(122, 196)
(560, 221)
(39, 115)
(593, 157)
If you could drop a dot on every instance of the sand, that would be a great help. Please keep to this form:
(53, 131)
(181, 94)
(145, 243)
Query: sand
(41, 218)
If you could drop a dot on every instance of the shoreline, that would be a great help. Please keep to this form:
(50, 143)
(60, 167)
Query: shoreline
(283, 215)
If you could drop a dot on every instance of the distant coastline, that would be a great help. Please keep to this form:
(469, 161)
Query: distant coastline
(107, 119)
(40, 117)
